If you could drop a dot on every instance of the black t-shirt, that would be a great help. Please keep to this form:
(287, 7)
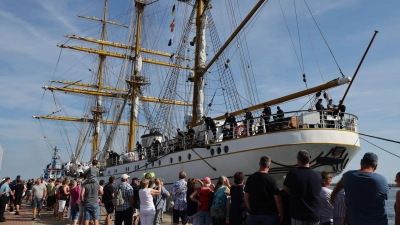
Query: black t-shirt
(305, 185)
(261, 188)
(29, 185)
(108, 191)
(19, 189)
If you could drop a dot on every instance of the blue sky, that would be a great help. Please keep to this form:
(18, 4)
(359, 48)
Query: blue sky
(30, 30)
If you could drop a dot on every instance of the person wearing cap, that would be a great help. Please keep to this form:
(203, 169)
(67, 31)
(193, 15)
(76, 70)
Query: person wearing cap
(204, 200)
(366, 192)
(248, 119)
(108, 195)
(210, 124)
(231, 121)
(303, 184)
(89, 197)
(136, 200)
(262, 196)
(124, 213)
(266, 113)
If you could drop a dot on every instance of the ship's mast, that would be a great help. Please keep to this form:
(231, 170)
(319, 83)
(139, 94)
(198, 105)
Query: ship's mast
(98, 110)
(197, 70)
(140, 7)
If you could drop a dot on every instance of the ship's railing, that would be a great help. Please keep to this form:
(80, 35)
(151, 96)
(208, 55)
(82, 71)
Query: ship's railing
(303, 119)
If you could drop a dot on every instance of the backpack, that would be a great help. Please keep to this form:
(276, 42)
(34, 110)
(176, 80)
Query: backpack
(118, 200)
(58, 193)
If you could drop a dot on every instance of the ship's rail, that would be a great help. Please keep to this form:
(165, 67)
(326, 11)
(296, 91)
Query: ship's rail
(303, 119)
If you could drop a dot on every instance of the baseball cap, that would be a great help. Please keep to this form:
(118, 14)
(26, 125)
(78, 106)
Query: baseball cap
(370, 157)
(124, 176)
(135, 178)
(207, 180)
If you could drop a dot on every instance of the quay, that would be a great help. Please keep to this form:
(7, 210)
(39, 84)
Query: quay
(48, 218)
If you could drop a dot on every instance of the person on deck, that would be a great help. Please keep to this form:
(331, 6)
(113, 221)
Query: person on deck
(248, 119)
(190, 133)
(319, 106)
(331, 105)
(210, 124)
(266, 113)
(231, 121)
(279, 117)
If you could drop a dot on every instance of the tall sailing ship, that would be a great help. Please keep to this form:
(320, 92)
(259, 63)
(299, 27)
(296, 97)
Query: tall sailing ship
(172, 68)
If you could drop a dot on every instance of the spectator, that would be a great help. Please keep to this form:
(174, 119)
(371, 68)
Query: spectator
(108, 195)
(326, 207)
(262, 196)
(64, 191)
(191, 205)
(38, 196)
(147, 208)
(286, 206)
(205, 194)
(304, 185)
(179, 190)
(218, 206)
(136, 200)
(90, 198)
(237, 211)
(339, 204)
(18, 191)
(5, 193)
(74, 202)
(160, 203)
(397, 209)
(51, 198)
(366, 192)
(123, 213)
(29, 186)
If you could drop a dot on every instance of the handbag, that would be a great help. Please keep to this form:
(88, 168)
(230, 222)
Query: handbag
(172, 202)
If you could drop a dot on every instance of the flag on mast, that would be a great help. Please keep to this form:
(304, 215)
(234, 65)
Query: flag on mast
(173, 9)
(171, 41)
(172, 26)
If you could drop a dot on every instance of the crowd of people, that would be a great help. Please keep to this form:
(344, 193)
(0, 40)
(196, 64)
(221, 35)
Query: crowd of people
(306, 198)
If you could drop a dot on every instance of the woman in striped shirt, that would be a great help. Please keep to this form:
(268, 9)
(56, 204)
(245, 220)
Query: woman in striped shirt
(339, 204)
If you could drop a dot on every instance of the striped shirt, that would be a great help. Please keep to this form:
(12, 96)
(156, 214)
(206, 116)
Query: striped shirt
(339, 210)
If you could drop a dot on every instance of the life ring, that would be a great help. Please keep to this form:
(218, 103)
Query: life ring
(240, 130)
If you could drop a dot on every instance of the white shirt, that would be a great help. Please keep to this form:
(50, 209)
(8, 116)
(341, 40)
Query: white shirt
(146, 200)
(326, 208)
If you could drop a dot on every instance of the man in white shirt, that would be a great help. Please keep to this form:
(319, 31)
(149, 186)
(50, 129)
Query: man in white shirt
(326, 208)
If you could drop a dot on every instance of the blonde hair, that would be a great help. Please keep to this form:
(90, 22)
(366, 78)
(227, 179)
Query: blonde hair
(144, 182)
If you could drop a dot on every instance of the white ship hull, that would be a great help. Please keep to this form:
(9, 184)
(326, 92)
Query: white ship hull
(330, 151)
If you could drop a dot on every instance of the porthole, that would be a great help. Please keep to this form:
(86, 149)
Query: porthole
(128, 168)
(226, 149)
(159, 162)
(212, 152)
(171, 159)
(180, 158)
(219, 150)
(189, 156)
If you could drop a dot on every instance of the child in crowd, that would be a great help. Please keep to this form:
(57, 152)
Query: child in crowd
(92, 173)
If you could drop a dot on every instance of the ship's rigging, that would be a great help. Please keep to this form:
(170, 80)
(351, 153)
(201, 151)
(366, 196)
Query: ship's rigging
(159, 98)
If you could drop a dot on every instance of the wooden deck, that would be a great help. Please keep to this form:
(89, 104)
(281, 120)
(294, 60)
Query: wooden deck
(48, 218)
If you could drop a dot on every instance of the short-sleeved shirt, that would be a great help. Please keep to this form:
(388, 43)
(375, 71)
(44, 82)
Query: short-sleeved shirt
(127, 191)
(326, 208)
(74, 194)
(160, 200)
(91, 193)
(92, 173)
(305, 185)
(180, 200)
(19, 190)
(38, 190)
(261, 188)
(108, 191)
(365, 198)
(4, 188)
(51, 189)
(29, 185)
